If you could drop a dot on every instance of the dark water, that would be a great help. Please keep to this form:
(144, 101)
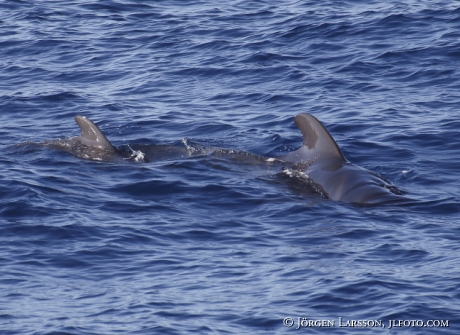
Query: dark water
(210, 245)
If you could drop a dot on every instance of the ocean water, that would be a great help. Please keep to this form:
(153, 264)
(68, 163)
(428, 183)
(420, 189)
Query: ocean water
(209, 244)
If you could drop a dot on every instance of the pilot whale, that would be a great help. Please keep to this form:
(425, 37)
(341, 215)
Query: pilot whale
(92, 144)
(319, 159)
(338, 179)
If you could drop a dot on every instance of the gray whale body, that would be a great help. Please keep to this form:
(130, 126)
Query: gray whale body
(327, 167)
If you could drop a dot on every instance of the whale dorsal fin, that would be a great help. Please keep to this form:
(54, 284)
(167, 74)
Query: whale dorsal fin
(317, 142)
(91, 135)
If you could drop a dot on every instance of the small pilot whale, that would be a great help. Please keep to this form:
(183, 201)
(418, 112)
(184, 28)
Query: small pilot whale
(92, 144)
(327, 168)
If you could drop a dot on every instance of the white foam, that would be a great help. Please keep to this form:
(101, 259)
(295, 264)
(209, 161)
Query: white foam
(136, 155)
(288, 172)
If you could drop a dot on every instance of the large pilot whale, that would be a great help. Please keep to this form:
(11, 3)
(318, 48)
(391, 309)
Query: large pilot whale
(325, 165)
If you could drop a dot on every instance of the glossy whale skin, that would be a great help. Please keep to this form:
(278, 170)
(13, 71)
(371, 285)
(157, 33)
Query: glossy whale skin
(327, 167)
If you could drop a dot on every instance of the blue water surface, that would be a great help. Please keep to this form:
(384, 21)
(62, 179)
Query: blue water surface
(207, 244)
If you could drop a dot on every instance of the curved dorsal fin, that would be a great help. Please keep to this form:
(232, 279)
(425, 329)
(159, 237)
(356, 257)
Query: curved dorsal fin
(91, 135)
(317, 142)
